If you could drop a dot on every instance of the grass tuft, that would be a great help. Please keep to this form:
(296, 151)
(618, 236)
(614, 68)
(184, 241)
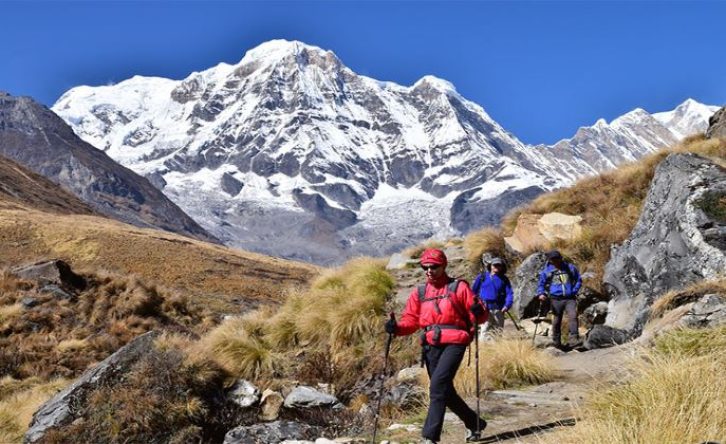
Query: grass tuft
(486, 240)
(692, 293)
(19, 400)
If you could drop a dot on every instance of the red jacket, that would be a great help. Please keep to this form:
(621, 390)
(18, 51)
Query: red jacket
(454, 319)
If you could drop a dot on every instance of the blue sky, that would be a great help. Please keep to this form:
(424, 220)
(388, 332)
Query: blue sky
(541, 69)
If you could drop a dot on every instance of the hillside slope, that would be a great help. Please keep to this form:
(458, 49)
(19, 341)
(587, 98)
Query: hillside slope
(39, 220)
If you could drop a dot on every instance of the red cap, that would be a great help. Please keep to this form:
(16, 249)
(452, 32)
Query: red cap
(434, 257)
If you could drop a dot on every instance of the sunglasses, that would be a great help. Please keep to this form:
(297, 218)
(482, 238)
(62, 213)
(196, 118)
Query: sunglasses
(430, 267)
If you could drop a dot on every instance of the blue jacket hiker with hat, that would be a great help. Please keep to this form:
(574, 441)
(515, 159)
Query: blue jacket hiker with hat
(494, 289)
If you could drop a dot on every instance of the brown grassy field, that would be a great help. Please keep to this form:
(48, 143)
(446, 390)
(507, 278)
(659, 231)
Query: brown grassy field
(219, 278)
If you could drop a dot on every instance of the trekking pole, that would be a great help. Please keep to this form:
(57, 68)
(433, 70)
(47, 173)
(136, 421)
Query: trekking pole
(537, 320)
(392, 316)
(513, 321)
(476, 363)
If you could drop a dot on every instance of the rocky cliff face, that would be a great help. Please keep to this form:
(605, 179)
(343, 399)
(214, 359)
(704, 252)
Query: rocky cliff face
(35, 137)
(679, 239)
(717, 124)
(290, 152)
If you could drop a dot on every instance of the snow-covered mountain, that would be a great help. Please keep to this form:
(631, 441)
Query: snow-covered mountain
(289, 152)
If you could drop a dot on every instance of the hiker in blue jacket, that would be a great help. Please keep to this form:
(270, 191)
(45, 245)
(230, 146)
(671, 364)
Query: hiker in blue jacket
(494, 289)
(560, 281)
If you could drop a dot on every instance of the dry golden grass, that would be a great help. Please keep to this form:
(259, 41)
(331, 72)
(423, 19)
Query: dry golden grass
(167, 396)
(63, 337)
(416, 251)
(692, 342)
(336, 322)
(676, 395)
(486, 240)
(214, 275)
(10, 312)
(19, 400)
(504, 363)
(237, 344)
(692, 293)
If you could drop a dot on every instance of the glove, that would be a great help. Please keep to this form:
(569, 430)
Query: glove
(477, 309)
(391, 326)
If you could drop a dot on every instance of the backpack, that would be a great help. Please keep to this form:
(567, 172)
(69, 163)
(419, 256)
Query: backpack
(549, 276)
(451, 289)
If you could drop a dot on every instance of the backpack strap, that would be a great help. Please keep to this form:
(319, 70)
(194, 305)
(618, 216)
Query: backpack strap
(550, 275)
(450, 289)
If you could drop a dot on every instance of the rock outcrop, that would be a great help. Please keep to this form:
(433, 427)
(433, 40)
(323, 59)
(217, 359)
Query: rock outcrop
(63, 407)
(51, 273)
(535, 231)
(525, 283)
(717, 125)
(678, 240)
(273, 432)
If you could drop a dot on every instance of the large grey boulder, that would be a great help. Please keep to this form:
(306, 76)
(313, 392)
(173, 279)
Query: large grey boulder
(677, 241)
(306, 397)
(52, 272)
(65, 406)
(524, 285)
(717, 124)
(272, 432)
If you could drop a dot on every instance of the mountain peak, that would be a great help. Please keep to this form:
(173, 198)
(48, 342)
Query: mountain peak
(436, 83)
(278, 49)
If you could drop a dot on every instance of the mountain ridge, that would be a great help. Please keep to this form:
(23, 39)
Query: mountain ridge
(35, 137)
(289, 145)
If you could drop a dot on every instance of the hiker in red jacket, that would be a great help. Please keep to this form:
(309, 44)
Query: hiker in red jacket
(447, 312)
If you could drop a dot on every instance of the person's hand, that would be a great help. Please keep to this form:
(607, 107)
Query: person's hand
(505, 309)
(391, 326)
(477, 309)
(542, 297)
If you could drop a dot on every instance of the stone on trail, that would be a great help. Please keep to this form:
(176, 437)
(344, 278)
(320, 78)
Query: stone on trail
(244, 394)
(306, 397)
(270, 405)
(271, 432)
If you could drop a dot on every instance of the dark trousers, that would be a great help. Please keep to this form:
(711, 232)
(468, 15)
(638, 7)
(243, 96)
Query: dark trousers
(442, 362)
(559, 307)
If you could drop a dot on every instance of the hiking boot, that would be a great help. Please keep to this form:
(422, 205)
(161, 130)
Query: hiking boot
(427, 441)
(476, 435)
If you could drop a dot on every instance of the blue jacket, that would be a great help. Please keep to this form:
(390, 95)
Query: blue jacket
(495, 291)
(559, 283)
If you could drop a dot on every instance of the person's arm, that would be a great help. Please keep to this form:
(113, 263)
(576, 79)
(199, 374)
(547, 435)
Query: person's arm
(467, 299)
(509, 294)
(578, 279)
(477, 285)
(541, 284)
(409, 318)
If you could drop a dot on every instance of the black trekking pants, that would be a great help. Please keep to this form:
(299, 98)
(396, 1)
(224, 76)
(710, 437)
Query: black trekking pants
(442, 362)
(559, 307)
